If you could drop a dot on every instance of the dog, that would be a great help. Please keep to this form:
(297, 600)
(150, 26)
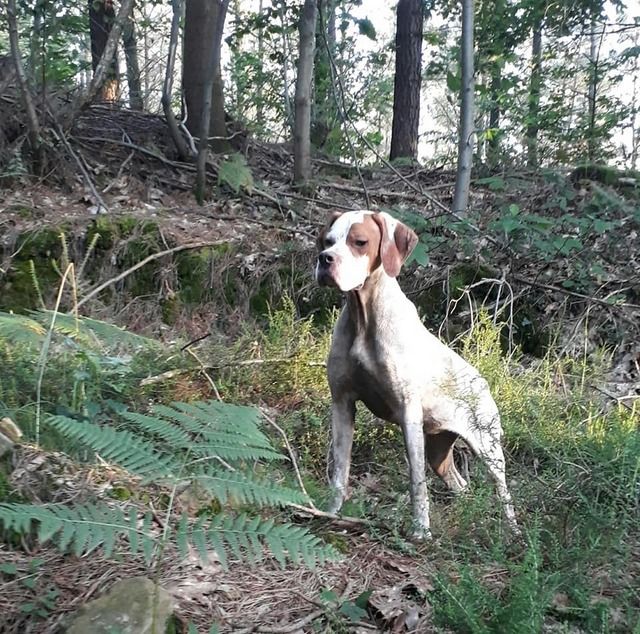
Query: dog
(381, 354)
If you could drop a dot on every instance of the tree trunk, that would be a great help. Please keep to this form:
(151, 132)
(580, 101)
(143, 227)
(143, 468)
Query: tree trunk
(130, 45)
(323, 112)
(212, 108)
(465, 141)
(533, 114)
(260, 68)
(184, 151)
(493, 144)
(203, 27)
(408, 78)
(302, 124)
(102, 16)
(592, 97)
(33, 123)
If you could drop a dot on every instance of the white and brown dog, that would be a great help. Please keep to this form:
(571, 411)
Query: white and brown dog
(382, 355)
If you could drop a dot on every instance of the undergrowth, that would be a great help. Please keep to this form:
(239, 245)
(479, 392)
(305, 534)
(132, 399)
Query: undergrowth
(573, 463)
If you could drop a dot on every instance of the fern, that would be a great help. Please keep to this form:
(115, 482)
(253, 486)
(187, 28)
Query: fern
(82, 529)
(183, 443)
(32, 330)
(122, 447)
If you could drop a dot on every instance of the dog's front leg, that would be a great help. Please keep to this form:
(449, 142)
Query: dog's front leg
(414, 444)
(343, 413)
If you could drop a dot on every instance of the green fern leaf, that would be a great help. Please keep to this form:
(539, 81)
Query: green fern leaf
(121, 447)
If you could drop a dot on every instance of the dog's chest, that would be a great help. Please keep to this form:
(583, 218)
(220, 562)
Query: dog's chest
(374, 381)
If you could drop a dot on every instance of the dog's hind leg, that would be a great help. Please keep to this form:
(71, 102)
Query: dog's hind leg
(440, 455)
(484, 441)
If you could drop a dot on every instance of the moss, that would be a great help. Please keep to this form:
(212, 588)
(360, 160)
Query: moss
(170, 309)
(41, 247)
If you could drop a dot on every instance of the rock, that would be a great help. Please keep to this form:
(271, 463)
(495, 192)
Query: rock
(132, 606)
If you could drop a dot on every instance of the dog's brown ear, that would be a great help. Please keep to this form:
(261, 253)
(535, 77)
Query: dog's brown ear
(396, 243)
(320, 239)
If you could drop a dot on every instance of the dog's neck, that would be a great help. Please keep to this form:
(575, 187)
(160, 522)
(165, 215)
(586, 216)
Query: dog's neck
(364, 304)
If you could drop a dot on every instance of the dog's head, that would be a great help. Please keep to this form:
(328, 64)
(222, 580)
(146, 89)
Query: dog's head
(356, 243)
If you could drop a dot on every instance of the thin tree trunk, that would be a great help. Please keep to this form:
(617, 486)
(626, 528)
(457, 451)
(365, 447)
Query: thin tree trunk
(465, 141)
(103, 66)
(212, 77)
(130, 45)
(167, 88)
(260, 68)
(33, 123)
(408, 79)
(323, 107)
(493, 143)
(302, 124)
(102, 16)
(594, 58)
(286, 49)
(533, 114)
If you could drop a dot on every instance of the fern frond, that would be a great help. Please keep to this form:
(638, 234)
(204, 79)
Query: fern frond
(95, 331)
(121, 447)
(81, 528)
(246, 489)
(247, 538)
(36, 283)
(215, 416)
(20, 329)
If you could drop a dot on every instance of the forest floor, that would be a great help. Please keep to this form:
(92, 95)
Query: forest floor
(549, 258)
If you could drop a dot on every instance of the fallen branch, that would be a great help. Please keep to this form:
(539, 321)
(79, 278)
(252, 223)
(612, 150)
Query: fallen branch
(292, 456)
(154, 256)
(566, 291)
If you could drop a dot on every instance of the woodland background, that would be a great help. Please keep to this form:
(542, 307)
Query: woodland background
(164, 170)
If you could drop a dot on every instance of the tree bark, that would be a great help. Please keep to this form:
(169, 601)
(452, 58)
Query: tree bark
(101, 70)
(493, 142)
(202, 82)
(302, 124)
(130, 45)
(167, 88)
(324, 109)
(592, 97)
(465, 141)
(408, 79)
(535, 81)
(33, 123)
(102, 17)
(211, 122)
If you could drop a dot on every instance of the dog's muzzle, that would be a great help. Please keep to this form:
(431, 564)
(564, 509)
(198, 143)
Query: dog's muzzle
(324, 269)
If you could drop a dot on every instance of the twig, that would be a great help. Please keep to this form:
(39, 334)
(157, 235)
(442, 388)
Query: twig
(283, 629)
(207, 376)
(336, 519)
(154, 256)
(292, 456)
(565, 291)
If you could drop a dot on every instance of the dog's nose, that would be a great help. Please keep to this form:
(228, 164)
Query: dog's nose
(325, 258)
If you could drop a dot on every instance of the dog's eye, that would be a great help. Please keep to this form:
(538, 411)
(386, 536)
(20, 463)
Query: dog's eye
(328, 243)
(361, 243)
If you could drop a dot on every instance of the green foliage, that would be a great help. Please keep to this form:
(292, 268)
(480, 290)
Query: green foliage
(181, 445)
(85, 528)
(286, 359)
(235, 173)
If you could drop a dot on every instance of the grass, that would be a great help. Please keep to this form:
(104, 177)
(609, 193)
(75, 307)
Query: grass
(573, 463)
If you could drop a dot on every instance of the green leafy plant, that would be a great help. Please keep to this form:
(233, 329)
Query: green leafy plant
(203, 445)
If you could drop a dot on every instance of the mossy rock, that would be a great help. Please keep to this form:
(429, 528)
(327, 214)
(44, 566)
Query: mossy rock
(35, 252)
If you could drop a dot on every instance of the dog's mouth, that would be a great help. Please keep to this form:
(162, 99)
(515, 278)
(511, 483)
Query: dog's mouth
(324, 278)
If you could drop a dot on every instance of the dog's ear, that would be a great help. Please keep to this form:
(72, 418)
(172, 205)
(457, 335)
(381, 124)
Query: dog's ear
(396, 242)
(320, 239)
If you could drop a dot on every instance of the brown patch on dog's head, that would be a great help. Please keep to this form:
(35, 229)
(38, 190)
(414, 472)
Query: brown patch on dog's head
(323, 232)
(396, 243)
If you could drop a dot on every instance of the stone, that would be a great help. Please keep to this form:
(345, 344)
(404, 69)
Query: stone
(132, 606)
